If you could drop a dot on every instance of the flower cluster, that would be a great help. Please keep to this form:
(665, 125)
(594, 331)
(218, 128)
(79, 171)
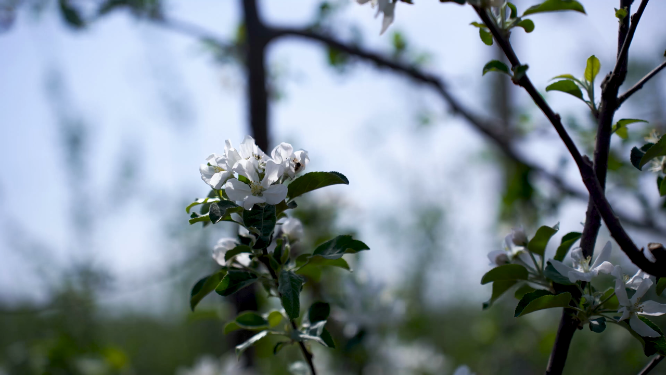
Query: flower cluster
(522, 261)
(249, 176)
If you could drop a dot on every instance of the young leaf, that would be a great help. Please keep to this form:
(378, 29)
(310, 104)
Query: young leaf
(195, 218)
(661, 186)
(592, 69)
(620, 13)
(567, 241)
(204, 286)
(537, 244)
(496, 66)
(661, 285)
(318, 311)
(290, 290)
(313, 181)
(234, 281)
(555, 6)
(200, 201)
(636, 156)
(526, 24)
(505, 272)
(218, 210)
(524, 289)
(486, 37)
(541, 300)
(328, 339)
(274, 318)
(340, 245)
(279, 346)
(514, 10)
(251, 320)
(659, 149)
(598, 325)
(231, 327)
(263, 219)
(251, 341)
(620, 127)
(235, 251)
(479, 25)
(499, 288)
(551, 273)
(566, 86)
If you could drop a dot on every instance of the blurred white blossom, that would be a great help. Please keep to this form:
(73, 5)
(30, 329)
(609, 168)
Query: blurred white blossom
(582, 270)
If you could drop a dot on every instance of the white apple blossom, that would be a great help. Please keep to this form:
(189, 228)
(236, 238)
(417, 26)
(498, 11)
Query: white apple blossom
(387, 7)
(224, 245)
(258, 190)
(630, 308)
(292, 228)
(582, 270)
(514, 247)
(219, 169)
(248, 150)
(293, 161)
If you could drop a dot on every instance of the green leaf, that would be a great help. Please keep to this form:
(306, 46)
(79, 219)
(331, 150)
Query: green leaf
(598, 325)
(592, 69)
(653, 344)
(235, 251)
(551, 273)
(566, 86)
(204, 286)
(659, 149)
(218, 210)
(499, 288)
(338, 246)
(519, 72)
(200, 201)
(313, 181)
(306, 264)
(486, 37)
(567, 241)
(637, 155)
(505, 272)
(231, 327)
(620, 127)
(318, 311)
(524, 289)
(541, 300)
(526, 24)
(251, 341)
(251, 320)
(279, 346)
(195, 218)
(661, 186)
(479, 25)
(328, 339)
(263, 219)
(555, 6)
(290, 288)
(234, 281)
(661, 285)
(496, 66)
(514, 10)
(620, 13)
(537, 244)
(274, 318)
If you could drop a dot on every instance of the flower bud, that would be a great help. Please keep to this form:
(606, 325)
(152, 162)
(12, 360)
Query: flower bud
(223, 245)
(293, 229)
(518, 237)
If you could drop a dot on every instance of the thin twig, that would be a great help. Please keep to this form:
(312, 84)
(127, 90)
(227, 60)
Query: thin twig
(650, 366)
(624, 51)
(639, 84)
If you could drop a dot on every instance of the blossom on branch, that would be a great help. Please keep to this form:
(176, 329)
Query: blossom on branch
(582, 270)
(630, 308)
(257, 190)
(387, 7)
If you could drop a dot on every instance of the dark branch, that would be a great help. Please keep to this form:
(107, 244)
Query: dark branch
(585, 167)
(650, 366)
(623, 55)
(639, 84)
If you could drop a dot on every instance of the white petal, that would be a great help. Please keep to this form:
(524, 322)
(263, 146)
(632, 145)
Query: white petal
(641, 328)
(293, 228)
(637, 279)
(247, 168)
(494, 257)
(625, 313)
(273, 173)
(605, 267)
(244, 259)
(211, 159)
(577, 255)
(207, 172)
(621, 293)
(247, 147)
(604, 256)
(389, 15)
(220, 179)
(251, 200)
(576, 275)
(282, 152)
(617, 272)
(561, 267)
(236, 190)
(642, 289)
(222, 246)
(275, 194)
(653, 308)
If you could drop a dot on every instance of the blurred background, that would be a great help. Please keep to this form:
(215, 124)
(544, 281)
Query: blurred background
(107, 108)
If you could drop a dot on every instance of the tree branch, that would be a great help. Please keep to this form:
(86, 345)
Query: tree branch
(650, 366)
(639, 84)
(584, 165)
